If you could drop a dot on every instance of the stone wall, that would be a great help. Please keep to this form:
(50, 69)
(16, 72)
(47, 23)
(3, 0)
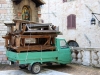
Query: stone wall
(6, 16)
(8, 12)
(85, 34)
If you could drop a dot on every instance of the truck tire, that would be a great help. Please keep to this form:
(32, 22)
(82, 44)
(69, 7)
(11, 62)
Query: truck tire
(22, 66)
(62, 65)
(49, 64)
(36, 68)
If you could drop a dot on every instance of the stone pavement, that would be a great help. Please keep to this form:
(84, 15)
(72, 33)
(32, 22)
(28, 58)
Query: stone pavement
(22, 72)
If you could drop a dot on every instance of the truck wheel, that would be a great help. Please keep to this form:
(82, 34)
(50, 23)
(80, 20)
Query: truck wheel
(49, 64)
(63, 65)
(36, 68)
(22, 66)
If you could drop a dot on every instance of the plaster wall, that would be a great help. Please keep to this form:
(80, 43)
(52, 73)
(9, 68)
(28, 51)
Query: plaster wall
(85, 34)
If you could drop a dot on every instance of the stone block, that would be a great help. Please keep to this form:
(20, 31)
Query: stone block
(10, 5)
(4, 62)
(4, 52)
(3, 32)
(0, 5)
(3, 2)
(3, 11)
(0, 59)
(1, 21)
(1, 52)
(4, 5)
(8, 18)
(2, 43)
(2, 48)
(4, 58)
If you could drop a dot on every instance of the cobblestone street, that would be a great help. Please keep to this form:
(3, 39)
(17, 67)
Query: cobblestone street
(70, 69)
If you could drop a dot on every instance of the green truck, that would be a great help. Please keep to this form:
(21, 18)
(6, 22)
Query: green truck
(33, 60)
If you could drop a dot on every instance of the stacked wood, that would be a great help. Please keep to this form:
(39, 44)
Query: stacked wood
(21, 33)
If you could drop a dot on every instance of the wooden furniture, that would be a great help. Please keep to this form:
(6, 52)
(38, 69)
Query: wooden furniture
(40, 36)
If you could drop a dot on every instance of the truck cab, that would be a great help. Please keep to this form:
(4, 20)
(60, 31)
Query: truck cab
(64, 52)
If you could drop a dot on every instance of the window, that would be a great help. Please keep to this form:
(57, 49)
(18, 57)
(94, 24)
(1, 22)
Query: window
(67, 0)
(64, 1)
(63, 44)
(71, 21)
(73, 43)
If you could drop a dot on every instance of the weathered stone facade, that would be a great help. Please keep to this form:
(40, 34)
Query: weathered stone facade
(85, 34)
(6, 16)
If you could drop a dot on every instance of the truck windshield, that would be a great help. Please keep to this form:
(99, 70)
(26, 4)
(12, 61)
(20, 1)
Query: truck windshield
(63, 44)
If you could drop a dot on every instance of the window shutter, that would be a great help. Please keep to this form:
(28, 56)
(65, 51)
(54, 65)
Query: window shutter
(73, 21)
(69, 21)
(64, 1)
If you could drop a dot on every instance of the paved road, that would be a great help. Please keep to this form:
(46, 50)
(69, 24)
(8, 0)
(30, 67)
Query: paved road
(21, 72)
(75, 69)
(70, 69)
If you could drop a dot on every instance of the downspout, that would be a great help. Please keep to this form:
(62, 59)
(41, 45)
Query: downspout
(88, 39)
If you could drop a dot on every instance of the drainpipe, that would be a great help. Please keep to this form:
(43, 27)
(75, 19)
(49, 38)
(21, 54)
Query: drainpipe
(88, 39)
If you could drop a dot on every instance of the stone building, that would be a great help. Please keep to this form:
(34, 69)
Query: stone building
(16, 9)
(74, 20)
(79, 29)
(72, 16)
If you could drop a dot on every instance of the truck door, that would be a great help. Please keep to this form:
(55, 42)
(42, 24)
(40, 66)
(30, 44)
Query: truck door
(64, 55)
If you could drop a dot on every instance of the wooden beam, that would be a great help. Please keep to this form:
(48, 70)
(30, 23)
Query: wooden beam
(48, 41)
(12, 40)
(37, 36)
(12, 29)
(35, 47)
(53, 40)
(24, 28)
(17, 25)
(10, 24)
(24, 21)
(6, 37)
(17, 41)
(23, 42)
(6, 42)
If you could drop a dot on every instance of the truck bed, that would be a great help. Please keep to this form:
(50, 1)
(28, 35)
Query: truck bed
(29, 57)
